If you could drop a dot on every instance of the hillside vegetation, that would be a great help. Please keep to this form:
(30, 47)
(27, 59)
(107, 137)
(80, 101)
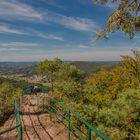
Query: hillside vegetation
(108, 99)
(29, 68)
(89, 67)
(8, 92)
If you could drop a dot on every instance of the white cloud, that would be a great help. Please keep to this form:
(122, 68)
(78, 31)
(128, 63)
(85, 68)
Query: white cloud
(19, 44)
(14, 49)
(15, 10)
(7, 29)
(94, 54)
(79, 55)
(47, 36)
(18, 11)
(83, 46)
(74, 23)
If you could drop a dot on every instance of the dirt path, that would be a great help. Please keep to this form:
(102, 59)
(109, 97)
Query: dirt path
(35, 125)
(11, 135)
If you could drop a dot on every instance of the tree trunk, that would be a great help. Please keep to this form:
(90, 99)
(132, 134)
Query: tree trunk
(52, 86)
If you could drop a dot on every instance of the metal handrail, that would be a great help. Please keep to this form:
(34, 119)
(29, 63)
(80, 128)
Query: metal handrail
(9, 129)
(72, 129)
(18, 123)
(70, 111)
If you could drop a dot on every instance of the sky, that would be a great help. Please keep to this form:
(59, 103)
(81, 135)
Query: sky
(34, 30)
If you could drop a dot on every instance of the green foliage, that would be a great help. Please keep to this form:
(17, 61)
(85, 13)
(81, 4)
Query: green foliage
(132, 66)
(71, 90)
(126, 18)
(50, 68)
(109, 100)
(70, 72)
(105, 85)
(23, 68)
(121, 118)
(57, 71)
(7, 90)
(94, 67)
(7, 94)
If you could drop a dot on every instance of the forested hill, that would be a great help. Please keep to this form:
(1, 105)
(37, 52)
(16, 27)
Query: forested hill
(96, 66)
(28, 68)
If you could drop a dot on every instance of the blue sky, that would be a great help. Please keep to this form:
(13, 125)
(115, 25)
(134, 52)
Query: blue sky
(33, 30)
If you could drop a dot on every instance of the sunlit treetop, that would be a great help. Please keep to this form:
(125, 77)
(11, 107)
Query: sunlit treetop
(126, 18)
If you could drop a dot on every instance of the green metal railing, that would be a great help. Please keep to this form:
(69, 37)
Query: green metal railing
(45, 89)
(76, 126)
(18, 125)
(2, 109)
(66, 116)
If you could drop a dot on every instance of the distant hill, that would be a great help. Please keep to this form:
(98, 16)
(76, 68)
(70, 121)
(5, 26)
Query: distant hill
(29, 68)
(89, 67)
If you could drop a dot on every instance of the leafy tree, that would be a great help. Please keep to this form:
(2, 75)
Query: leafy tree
(131, 65)
(7, 94)
(109, 100)
(50, 68)
(126, 18)
(98, 87)
(121, 118)
(69, 82)
(59, 72)
(70, 72)
(101, 80)
(70, 91)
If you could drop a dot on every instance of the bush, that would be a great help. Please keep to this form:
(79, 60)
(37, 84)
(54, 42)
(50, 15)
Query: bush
(7, 94)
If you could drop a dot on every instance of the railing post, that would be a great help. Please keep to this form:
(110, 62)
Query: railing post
(38, 103)
(14, 108)
(69, 122)
(89, 134)
(20, 102)
(50, 111)
(20, 133)
(43, 104)
(3, 106)
(20, 128)
(18, 121)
